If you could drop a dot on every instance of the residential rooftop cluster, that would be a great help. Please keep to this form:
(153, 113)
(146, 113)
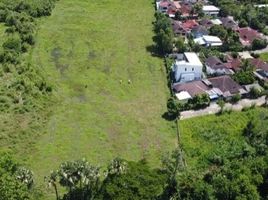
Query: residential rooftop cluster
(194, 18)
(204, 67)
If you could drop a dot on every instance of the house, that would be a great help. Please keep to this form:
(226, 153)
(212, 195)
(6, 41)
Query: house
(233, 63)
(261, 68)
(178, 29)
(199, 31)
(229, 23)
(167, 6)
(187, 67)
(208, 40)
(215, 66)
(210, 10)
(186, 91)
(247, 35)
(206, 23)
(185, 9)
(183, 28)
(189, 24)
(227, 86)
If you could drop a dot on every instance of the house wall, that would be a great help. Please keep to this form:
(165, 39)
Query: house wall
(187, 72)
(211, 13)
(211, 71)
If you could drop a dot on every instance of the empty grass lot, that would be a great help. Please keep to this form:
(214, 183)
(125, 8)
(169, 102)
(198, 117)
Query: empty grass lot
(210, 134)
(85, 49)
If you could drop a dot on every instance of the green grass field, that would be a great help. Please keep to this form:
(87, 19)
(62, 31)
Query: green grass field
(210, 134)
(264, 57)
(85, 48)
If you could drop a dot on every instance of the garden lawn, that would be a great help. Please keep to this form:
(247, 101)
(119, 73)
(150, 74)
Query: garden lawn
(264, 57)
(109, 92)
(205, 136)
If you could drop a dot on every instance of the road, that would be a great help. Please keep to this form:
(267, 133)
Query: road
(215, 108)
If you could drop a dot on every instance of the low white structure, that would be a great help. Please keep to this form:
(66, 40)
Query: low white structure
(216, 22)
(211, 10)
(261, 5)
(183, 95)
(208, 40)
(187, 67)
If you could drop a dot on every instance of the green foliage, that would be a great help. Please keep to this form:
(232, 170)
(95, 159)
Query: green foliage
(259, 44)
(14, 185)
(173, 108)
(164, 34)
(139, 182)
(256, 133)
(199, 101)
(219, 31)
(255, 92)
(180, 45)
(245, 76)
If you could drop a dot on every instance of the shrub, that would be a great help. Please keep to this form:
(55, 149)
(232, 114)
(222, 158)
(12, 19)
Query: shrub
(259, 44)
(13, 43)
(236, 98)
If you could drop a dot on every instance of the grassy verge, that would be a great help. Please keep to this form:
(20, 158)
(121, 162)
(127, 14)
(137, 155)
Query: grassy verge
(264, 57)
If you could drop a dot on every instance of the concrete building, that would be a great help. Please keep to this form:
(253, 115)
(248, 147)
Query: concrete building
(211, 10)
(187, 67)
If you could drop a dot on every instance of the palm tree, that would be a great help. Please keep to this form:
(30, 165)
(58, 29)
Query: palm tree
(52, 182)
(117, 166)
(25, 176)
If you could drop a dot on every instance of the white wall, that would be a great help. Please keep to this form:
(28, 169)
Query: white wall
(187, 72)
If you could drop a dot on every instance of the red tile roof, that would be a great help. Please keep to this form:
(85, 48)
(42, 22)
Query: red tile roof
(226, 84)
(259, 64)
(233, 63)
(189, 24)
(185, 9)
(247, 35)
(193, 88)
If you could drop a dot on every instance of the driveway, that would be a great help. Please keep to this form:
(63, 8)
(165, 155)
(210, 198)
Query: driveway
(215, 108)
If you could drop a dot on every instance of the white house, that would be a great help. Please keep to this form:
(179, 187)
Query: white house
(187, 67)
(208, 40)
(211, 10)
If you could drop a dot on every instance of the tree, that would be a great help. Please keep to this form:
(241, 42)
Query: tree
(13, 44)
(246, 75)
(180, 45)
(243, 23)
(13, 184)
(172, 108)
(221, 103)
(199, 101)
(51, 181)
(259, 44)
(25, 176)
(164, 41)
(138, 182)
(219, 31)
(236, 98)
(255, 92)
(117, 166)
